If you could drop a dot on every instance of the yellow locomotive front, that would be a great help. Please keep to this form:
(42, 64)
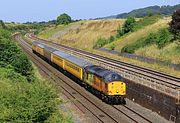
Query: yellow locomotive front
(116, 88)
(109, 85)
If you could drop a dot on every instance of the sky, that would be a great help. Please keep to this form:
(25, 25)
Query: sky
(44, 10)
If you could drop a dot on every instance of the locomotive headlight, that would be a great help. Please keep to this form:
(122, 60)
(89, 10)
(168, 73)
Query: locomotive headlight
(117, 91)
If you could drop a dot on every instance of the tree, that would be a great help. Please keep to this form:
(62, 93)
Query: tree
(127, 27)
(63, 19)
(129, 24)
(164, 37)
(175, 24)
(2, 24)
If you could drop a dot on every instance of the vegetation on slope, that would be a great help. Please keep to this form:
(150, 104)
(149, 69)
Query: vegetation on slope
(23, 97)
(161, 45)
(82, 34)
(49, 32)
(129, 26)
(141, 33)
(161, 38)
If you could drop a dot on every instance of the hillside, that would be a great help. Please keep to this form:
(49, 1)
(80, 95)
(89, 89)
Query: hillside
(84, 34)
(163, 10)
(133, 37)
(170, 53)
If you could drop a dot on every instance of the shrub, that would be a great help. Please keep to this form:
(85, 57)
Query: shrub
(11, 54)
(112, 47)
(151, 38)
(130, 48)
(111, 39)
(161, 38)
(100, 42)
(164, 37)
(127, 27)
(27, 102)
(22, 101)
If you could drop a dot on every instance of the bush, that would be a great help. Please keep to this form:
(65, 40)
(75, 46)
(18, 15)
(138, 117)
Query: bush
(100, 42)
(4, 34)
(164, 37)
(11, 54)
(161, 38)
(127, 27)
(130, 48)
(113, 46)
(111, 39)
(22, 101)
(27, 102)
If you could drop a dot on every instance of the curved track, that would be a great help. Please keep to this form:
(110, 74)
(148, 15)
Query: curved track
(153, 79)
(97, 110)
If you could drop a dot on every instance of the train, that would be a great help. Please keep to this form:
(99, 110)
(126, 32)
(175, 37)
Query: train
(105, 84)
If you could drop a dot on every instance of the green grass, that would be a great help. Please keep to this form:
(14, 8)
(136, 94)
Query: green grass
(161, 38)
(148, 20)
(49, 32)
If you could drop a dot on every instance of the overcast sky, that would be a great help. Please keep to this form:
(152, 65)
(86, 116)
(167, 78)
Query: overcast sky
(44, 10)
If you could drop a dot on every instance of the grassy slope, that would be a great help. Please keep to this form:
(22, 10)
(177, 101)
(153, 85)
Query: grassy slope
(170, 53)
(86, 35)
(50, 31)
(132, 37)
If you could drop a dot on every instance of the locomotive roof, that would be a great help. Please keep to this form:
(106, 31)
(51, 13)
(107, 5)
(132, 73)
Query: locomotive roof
(78, 61)
(107, 75)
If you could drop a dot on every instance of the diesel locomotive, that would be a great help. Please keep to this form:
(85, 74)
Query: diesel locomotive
(107, 85)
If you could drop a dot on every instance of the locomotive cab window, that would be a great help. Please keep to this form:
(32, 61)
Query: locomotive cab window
(113, 77)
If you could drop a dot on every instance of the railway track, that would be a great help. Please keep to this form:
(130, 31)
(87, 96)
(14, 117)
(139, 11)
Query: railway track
(159, 81)
(97, 110)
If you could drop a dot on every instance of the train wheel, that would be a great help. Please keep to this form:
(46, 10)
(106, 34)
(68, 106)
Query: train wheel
(109, 100)
(102, 97)
(116, 100)
(106, 99)
(124, 102)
